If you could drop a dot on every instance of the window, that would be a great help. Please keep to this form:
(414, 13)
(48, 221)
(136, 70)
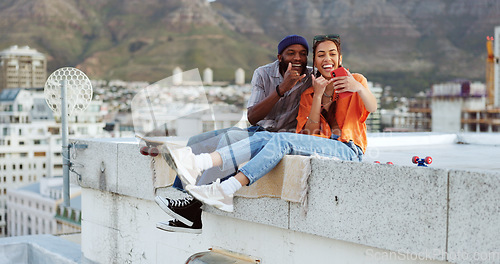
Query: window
(40, 154)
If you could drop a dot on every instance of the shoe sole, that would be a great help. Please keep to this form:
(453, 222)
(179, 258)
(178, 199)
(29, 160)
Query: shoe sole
(166, 227)
(173, 214)
(214, 203)
(173, 163)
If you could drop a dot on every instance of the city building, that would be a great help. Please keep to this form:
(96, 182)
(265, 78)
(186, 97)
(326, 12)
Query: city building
(37, 209)
(373, 123)
(452, 100)
(454, 106)
(30, 140)
(22, 67)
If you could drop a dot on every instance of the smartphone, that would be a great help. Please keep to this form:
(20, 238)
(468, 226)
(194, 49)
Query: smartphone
(341, 71)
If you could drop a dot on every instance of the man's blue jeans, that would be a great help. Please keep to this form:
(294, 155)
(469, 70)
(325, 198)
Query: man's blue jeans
(264, 150)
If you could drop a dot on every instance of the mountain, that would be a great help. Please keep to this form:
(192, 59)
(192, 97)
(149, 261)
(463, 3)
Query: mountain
(405, 44)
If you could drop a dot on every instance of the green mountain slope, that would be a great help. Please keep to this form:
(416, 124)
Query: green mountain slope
(405, 44)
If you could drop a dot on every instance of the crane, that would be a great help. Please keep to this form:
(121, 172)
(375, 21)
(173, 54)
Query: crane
(490, 72)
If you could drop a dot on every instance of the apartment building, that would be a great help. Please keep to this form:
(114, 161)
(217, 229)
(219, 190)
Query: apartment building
(22, 67)
(30, 140)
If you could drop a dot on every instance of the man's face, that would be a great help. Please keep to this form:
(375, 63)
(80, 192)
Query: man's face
(297, 55)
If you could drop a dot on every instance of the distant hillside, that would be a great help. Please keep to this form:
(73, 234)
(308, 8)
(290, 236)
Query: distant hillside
(406, 44)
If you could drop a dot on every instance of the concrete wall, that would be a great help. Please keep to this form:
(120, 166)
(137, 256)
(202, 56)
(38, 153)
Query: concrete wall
(446, 114)
(357, 213)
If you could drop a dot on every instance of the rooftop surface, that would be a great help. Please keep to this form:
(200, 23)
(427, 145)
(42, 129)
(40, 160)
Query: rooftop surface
(469, 151)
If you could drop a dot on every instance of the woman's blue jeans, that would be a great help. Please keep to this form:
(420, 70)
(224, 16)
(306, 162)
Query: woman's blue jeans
(264, 150)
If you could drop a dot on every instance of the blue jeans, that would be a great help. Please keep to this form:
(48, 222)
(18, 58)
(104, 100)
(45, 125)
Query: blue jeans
(264, 150)
(210, 141)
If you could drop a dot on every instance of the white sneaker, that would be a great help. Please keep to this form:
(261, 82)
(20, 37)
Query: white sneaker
(181, 159)
(213, 195)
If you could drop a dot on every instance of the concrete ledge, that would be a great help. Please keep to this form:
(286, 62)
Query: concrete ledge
(402, 209)
(474, 217)
(421, 211)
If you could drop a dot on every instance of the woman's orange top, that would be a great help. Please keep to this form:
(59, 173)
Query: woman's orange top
(351, 116)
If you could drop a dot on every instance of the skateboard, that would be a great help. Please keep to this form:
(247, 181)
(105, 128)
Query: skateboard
(421, 162)
(388, 163)
(151, 147)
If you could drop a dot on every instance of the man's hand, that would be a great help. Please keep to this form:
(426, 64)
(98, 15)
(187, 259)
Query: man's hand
(290, 78)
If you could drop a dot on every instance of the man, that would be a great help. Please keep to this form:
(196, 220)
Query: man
(273, 106)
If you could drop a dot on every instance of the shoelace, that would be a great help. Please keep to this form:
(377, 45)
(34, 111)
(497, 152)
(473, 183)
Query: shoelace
(181, 202)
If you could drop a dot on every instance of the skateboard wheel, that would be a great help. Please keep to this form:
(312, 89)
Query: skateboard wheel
(390, 163)
(145, 151)
(428, 160)
(153, 152)
(415, 159)
(378, 162)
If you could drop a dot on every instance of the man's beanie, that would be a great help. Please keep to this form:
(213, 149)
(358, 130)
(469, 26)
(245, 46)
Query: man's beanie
(290, 40)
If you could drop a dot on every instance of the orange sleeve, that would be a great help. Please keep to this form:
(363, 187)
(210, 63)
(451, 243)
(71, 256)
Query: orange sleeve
(304, 109)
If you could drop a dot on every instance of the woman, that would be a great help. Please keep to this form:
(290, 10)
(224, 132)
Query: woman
(337, 123)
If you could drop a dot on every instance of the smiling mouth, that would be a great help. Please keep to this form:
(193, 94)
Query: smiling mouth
(328, 67)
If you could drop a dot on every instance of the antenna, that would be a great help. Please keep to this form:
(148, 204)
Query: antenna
(67, 91)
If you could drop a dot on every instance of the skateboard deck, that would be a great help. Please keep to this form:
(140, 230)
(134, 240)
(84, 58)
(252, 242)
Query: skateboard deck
(154, 141)
(153, 147)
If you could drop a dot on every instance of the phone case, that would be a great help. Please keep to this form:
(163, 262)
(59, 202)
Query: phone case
(341, 71)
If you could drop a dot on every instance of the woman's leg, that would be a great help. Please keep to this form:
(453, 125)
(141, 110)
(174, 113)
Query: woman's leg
(282, 144)
(243, 151)
(230, 137)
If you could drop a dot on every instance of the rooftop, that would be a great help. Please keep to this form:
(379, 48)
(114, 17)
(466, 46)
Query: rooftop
(357, 212)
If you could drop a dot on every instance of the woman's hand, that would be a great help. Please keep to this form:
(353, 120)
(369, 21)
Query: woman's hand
(347, 83)
(320, 84)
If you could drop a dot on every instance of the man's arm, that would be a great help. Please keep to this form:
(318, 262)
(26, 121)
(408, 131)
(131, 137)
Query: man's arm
(261, 109)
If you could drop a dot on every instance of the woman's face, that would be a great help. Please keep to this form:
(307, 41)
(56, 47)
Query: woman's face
(327, 58)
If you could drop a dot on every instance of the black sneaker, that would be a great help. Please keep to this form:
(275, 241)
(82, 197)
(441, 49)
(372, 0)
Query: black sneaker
(177, 226)
(187, 210)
